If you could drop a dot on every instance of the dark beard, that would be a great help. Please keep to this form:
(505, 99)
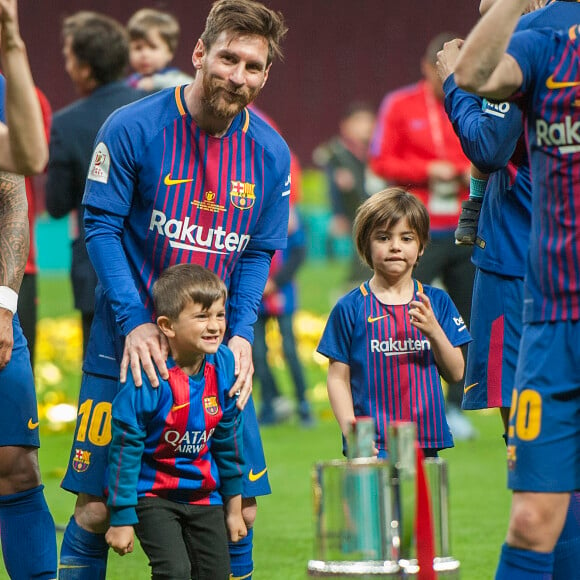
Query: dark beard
(222, 103)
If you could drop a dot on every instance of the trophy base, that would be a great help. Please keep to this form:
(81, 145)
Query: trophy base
(364, 569)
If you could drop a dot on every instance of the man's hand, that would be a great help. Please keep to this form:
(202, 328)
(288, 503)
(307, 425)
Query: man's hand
(121, 539)
(244, 369)
(6, 337)
(145, 346)
(447, 57)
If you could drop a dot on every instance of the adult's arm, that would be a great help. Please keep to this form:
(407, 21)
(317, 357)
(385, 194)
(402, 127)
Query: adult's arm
(144, 344)
(246, 289)
(483, 66)
(488, 133)
(23, 144)
(14, 246)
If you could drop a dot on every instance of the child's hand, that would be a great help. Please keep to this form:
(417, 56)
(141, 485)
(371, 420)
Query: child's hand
(236, 527)
(121, 539)
(234, 520)
(422, 315)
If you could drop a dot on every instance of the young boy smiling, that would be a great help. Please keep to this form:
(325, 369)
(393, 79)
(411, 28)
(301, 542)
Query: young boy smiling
(176, 449)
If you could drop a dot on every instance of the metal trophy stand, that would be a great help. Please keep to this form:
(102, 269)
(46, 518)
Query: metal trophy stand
(364, 510)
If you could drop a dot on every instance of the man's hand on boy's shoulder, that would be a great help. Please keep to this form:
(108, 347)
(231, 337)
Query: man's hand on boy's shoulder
(145, 346)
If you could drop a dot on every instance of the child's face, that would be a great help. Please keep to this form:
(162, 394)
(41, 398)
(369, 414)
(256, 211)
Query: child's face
(395, 251)
(197, 330)
(150, 55)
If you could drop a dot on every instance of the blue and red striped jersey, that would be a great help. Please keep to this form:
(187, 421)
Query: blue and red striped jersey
(180, 441)
(550, 93)
(393, 373)
(180, 195)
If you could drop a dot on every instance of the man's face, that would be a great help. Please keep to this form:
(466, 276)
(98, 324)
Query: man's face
(234, 71)
(80, 74)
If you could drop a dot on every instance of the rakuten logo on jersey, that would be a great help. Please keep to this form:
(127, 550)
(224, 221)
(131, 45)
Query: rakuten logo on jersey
(186, 236)
(565, 136)
(394, 347)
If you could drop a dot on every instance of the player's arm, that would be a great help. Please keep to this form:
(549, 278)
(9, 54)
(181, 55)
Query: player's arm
(340, 395)
(449, 358)
(23, 147)
(145, 345)
(14, 245)
(483, 66)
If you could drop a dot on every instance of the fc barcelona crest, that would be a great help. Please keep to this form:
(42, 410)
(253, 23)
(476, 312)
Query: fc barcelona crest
(81, 460)
(210, 404)
(242, 194)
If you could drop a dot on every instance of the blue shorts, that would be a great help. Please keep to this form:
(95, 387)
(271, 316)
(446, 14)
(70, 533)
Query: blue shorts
(496, 328)
(87, 467)
(544, 431)
(18, 411)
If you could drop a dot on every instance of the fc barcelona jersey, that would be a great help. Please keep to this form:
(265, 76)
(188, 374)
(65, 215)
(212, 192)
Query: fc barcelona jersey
(392, 368)
(184, 197)
(188, 434)
(550, 64)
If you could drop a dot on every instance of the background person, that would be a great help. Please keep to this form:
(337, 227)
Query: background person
(153, 38)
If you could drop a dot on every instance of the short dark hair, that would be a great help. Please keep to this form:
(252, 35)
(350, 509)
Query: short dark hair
(147, 19)
(99, 41)
(183, 283)
(436, 44)
(385, 209)
(245, 17)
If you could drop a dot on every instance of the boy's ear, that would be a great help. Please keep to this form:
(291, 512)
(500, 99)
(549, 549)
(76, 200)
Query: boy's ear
(166, 326)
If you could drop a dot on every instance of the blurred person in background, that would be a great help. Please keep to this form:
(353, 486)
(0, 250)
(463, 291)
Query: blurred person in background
(153, 38)
(414, 146)
(344, 161)
(28, 534)
(279, 303)
(96, 53)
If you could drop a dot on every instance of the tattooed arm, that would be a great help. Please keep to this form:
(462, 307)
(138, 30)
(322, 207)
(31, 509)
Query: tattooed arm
(14, 242)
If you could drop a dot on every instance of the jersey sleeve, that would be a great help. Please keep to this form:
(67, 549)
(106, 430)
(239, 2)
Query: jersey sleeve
(131, 409)
(111, 178)
(529, 50)
(271, 230)
(227, 442)
(337, 336)
(488, 132)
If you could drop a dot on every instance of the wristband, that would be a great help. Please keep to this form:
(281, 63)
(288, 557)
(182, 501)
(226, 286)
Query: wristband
(8, 299)
(477, 188)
